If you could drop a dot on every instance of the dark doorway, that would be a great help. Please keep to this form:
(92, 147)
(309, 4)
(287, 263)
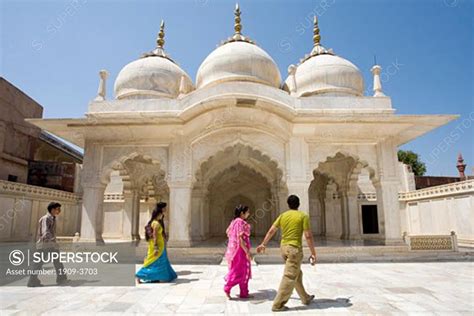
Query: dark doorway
(370, 221)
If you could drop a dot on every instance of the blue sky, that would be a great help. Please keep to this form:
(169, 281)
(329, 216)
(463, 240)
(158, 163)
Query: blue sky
(53, 50)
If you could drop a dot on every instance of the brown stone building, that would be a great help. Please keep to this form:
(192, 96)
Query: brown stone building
(27, 154)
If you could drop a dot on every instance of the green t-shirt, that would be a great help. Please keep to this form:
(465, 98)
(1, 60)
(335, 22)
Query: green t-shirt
(292, 224)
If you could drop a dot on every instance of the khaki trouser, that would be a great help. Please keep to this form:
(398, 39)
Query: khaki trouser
(292, 277)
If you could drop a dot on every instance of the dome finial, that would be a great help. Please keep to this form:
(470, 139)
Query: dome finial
(160, 41)
(318, 49)
(237, 25)
(237, 37)
(316, 36)
(159, 51)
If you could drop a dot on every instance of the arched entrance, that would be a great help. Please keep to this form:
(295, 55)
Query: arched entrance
(237, 175)
(335, 208)
(141, 182)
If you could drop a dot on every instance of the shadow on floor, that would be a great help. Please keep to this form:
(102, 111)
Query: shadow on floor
(72, 283)
(187, 272)
(183, 281)
(324, 303)
(260, 296)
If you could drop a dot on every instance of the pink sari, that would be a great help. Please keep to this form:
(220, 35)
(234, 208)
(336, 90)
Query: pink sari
(239, 266)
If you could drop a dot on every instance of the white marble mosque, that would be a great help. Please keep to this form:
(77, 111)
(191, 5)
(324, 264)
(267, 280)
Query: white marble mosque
(240, 133)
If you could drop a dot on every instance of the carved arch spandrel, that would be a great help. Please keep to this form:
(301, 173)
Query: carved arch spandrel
(114, 157)
(366, 157)
(209, 146)
(239, 154)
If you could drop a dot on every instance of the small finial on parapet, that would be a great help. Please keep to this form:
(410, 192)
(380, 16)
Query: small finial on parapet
(376, 69)
(461, 166)
(101, 91)
(292, 74)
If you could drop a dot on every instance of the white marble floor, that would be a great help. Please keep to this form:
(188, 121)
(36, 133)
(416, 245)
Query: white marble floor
(442, 288)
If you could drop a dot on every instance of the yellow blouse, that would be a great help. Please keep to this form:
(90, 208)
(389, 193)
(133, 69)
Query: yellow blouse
(158, 240)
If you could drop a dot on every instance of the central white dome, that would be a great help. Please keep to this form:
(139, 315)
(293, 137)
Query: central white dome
(238, 61)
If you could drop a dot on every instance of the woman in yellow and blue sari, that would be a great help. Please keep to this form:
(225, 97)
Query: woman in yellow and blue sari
(156, 267)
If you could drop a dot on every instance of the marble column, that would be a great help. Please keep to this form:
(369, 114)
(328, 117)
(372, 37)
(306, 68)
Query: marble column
(354, 216)
(92, 220)
(136, 215)
(387, 187)
(180, 215)
(206, 215)
(197, 216)
(389, 209)
(322, 202)
(299, 178)
(344, 214)
(127, 216)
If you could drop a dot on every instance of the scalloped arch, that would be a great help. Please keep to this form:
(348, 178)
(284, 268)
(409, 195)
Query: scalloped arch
(361, 163)
(264, 165)
(119, 164)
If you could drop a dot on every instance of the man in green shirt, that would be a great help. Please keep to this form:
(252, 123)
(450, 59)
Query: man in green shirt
(293, 224)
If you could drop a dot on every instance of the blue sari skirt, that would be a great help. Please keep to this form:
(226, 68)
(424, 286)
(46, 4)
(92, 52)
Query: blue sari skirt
(159, 270)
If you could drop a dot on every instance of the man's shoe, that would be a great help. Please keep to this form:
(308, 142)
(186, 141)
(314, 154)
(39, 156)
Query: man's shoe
(282, 309)
(62, 281)
(310, 299)
(34, 284)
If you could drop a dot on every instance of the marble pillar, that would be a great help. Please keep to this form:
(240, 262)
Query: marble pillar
(136, 215)
(180, 215)
(92, 220)
(388, 206)
(127, 216)
(322, 226)
(344, 214)
(354, 216)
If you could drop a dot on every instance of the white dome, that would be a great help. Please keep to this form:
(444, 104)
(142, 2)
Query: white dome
(238, 61)
(326, 74)
(151, 77)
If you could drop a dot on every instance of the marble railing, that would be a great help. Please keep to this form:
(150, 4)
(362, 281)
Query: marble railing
(451, 189)
(8, 187)
(21, 205)
(369, 196)
(432, 242)
(456, 188)
(113, 197)
(117, 198)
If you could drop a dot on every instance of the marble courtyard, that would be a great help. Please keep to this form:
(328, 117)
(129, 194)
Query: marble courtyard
(435, 288)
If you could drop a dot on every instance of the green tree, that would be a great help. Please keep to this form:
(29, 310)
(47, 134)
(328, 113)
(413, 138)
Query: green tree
(410, 158)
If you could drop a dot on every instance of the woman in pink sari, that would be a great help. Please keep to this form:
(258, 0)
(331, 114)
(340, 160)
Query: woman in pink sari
(238, 253)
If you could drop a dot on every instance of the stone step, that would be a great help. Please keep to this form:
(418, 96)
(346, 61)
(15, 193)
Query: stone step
(411, 256)
(272, 255)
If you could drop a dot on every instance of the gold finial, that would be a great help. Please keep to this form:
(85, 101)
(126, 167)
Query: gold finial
(316, 36)
(237, 25)
(160, 41)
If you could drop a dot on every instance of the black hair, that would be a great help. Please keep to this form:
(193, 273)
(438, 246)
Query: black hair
(53, 205)
(293, 202)
(240, 209)
(156, 212)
